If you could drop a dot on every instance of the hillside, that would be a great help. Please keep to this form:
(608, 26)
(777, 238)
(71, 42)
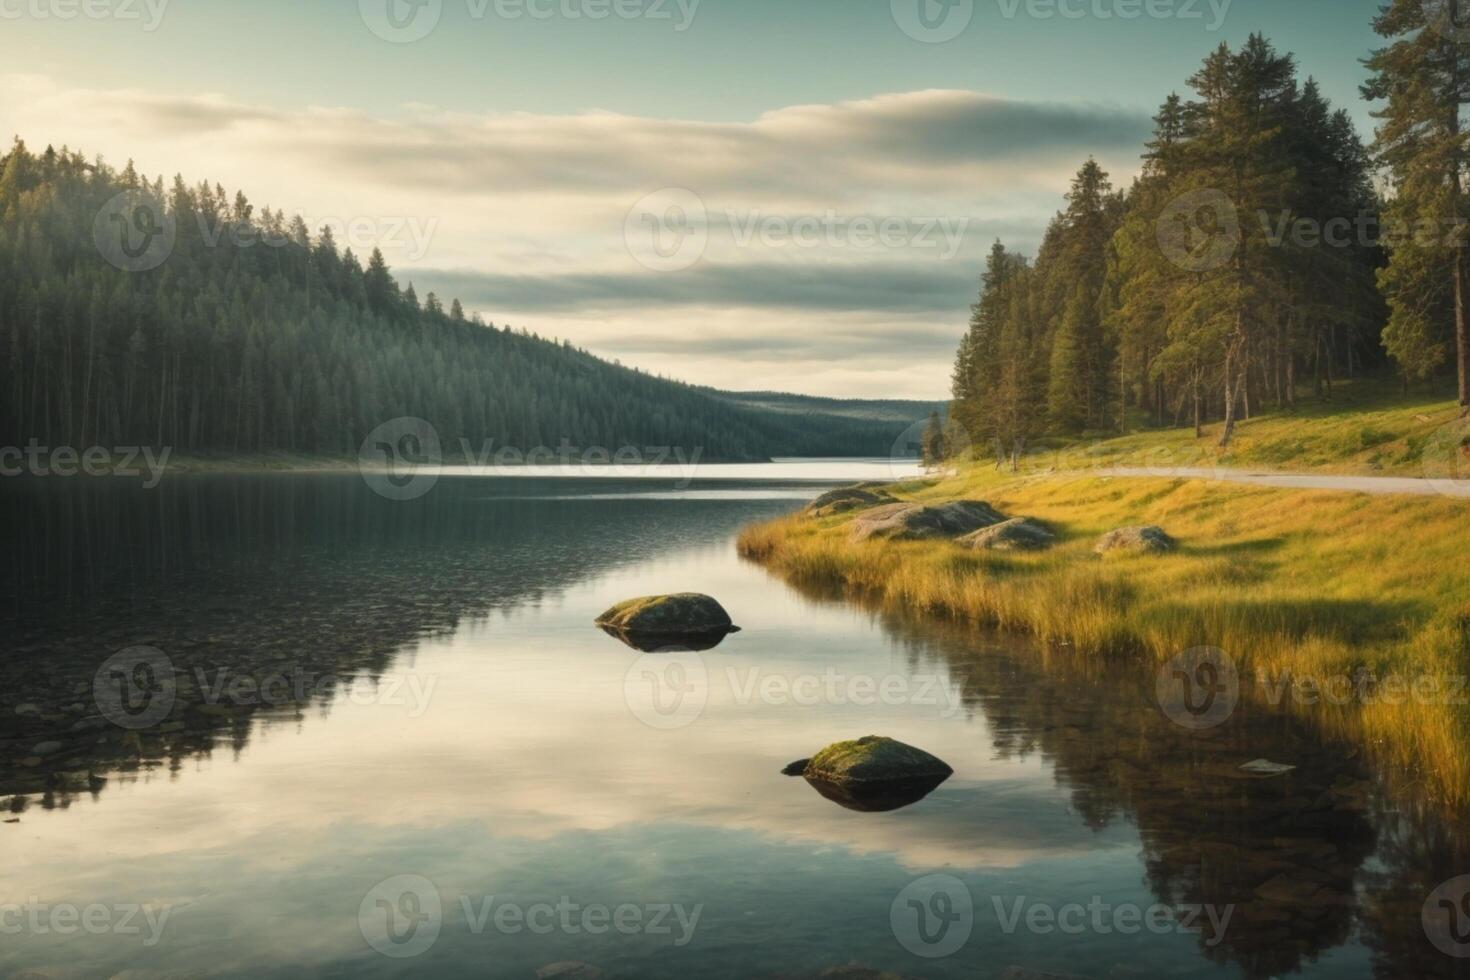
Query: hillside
(135, 315)
(894, 411)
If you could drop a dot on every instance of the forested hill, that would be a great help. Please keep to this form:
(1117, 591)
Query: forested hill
(135, 314)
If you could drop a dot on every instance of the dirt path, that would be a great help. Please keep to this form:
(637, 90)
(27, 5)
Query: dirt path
(1306, 481)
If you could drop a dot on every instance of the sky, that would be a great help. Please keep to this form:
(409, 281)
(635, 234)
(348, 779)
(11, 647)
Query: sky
(754, 194)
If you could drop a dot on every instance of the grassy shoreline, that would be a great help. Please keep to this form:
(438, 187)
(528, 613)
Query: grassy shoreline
(1301, 587)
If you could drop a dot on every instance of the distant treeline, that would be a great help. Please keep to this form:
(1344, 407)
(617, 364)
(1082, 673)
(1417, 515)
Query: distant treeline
(1251, 257)
(252, 334)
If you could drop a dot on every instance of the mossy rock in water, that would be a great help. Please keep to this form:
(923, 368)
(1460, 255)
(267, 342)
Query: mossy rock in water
(1147, 539)
(916, 522)
(680, 614)
(1019, 534)
(874, 759)
(855, 497)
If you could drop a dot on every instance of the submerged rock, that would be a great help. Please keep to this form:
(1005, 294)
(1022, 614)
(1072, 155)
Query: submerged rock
(1018, 534)
(874, 759)
(843, 499)
(686, 619)
(681, 612)
(877, 797)
(872, 774)
(913, 522)
(1145, 539)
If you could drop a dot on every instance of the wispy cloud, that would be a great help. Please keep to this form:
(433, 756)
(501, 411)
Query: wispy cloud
(531, 211)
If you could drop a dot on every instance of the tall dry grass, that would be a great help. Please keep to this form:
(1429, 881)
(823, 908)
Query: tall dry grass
(1311, 586)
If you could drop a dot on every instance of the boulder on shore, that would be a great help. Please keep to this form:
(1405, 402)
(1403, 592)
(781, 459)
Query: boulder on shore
(686, 619)
(1017, 534)
(1145, 539)
(915, 522)
(844, 499)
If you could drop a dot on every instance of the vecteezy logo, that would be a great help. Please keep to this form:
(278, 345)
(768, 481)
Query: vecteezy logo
(1199, 688)
(667, 689)
(907, 450)
(134, 688)
(134, 233)
(401, 916)
(400, 459)
(401, 21)
(1446, 917)
(1446, 459)
(1199, 231)
(933, 916)
(932, 21)
(1449, 19)
(668, 230)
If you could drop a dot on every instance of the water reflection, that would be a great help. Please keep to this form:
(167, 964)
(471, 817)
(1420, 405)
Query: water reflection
(876, 799)
(520, 765)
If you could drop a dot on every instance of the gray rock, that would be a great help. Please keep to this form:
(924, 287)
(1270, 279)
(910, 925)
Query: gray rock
(672, 615)
(46, 748)
(874, 759)
(27, 710)
(1018, 534)
(914, 522)
(1146, 539)
(843, 499)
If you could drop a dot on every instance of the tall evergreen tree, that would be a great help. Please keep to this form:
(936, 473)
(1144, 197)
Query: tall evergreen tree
(1422, 77)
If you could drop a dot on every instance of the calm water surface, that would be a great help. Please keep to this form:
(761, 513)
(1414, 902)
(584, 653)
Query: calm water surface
(392, 725)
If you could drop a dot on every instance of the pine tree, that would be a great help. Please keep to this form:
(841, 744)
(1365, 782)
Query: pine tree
(1423, 78)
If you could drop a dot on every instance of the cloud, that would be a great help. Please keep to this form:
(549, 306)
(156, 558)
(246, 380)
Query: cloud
(850, 287)
(529, 211)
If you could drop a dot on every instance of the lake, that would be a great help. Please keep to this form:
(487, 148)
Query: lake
(281, 725)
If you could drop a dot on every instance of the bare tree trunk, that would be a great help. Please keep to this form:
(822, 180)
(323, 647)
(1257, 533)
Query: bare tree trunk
(1199, 430)
(1462, 327)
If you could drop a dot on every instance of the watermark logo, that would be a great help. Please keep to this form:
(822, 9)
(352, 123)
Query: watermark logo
(134, 233)
(1103, 918)
(833, 687)
(933, 916)
(909, 451)
(401, 21)
(830, 230)
(149, 12)
(1182, 10)
(668, 230)
(38, 460)
(1198, 689)
(932, 21)
(667, 690)
(135, 688)
(39, 918)
(1446, 917)
(401, 916)
(411, 692)
(1199, 231)
(400, 459)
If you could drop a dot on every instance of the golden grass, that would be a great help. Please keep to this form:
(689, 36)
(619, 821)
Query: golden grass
(1310, 584)
(1369, 427)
